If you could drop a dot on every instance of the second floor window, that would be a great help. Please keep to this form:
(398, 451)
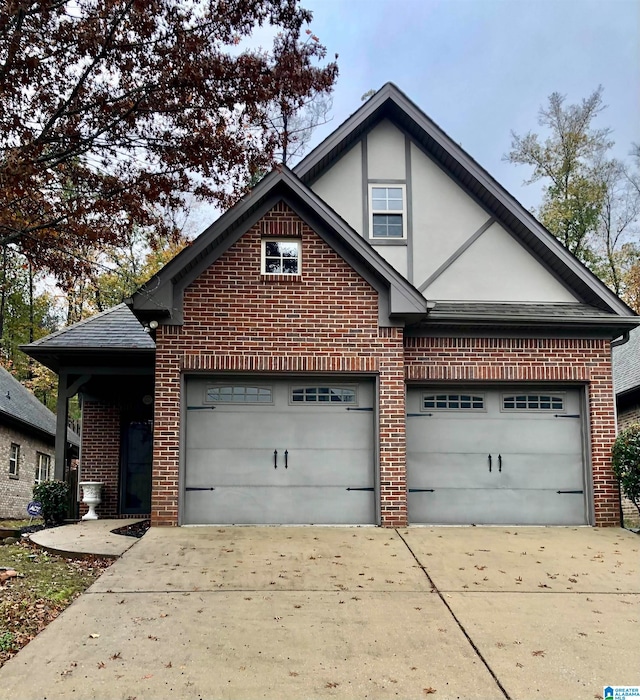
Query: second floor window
(281, 257)
(388, 211)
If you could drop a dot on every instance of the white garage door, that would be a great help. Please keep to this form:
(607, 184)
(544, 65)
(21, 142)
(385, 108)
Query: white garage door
(270, 452)
(487, 456)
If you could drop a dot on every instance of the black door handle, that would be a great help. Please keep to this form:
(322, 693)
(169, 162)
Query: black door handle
(286, 459)
(275, 459)
(499, 463)
(489, 463)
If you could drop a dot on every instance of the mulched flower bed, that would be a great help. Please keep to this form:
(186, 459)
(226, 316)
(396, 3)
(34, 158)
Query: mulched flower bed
(134, 530)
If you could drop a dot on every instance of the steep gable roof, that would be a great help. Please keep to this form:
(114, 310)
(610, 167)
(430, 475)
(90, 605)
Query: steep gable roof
(22, 408)
(161, 297)
(392, 104)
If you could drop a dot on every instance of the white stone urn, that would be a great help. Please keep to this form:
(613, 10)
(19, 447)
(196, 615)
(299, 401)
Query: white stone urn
(92, 497)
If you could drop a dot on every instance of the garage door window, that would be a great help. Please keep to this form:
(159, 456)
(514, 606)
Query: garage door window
(238, 393)
(453, 402)
(323, 394)
(533, 402)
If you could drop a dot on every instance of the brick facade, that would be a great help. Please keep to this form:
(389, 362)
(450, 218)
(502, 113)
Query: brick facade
(100, 455)
(325, 320)
(532, 359)
(16, 493)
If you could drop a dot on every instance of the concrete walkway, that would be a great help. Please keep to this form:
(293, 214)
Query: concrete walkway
(471, 613)
(86, 537)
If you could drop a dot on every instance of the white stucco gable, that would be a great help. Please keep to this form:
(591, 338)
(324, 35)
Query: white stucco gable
(495, 267)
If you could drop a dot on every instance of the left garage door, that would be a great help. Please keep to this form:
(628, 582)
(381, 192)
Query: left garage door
(279, 452)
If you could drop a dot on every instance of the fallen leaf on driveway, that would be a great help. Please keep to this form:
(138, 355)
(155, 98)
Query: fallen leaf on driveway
(429, 691)
(539, 652)
(94, 636)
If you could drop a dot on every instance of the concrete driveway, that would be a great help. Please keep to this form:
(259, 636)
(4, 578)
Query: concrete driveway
(348, 612)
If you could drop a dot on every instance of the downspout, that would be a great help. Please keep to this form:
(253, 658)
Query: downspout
(623, 340)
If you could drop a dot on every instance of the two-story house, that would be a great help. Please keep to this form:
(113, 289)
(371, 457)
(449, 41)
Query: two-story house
(383, 335)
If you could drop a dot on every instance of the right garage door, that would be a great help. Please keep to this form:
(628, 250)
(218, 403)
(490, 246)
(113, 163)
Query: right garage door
(495, 456)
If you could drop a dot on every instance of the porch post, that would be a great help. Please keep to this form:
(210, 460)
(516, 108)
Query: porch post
(62, 416)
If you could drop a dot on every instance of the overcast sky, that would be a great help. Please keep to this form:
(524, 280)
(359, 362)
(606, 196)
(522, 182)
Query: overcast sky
(481, 68)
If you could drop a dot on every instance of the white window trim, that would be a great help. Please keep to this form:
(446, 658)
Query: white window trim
(40, 456)
(373, 211)
(276, 239)
(14, 460)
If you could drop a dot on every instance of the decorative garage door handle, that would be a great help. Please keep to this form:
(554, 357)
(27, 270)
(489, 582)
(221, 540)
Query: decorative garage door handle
(489, 458)
(275, 459)
(199, 488)
(359, 488)
(286, 459)
(499, 463)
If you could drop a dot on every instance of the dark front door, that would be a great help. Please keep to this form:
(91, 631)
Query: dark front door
(137, 454)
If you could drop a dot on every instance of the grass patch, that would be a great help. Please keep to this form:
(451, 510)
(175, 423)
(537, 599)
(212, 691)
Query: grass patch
(16, 524)
(45, 586)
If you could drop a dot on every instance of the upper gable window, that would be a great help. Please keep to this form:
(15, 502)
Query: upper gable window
(280, 256)
(388, 211)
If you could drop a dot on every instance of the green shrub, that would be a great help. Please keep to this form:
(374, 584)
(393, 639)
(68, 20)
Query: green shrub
(626, 462)
(7, 641)
(54, 498)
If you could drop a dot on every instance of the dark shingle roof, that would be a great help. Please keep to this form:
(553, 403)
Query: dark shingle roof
(116, 329)
(626, 364)
(515, 311)
(18, 403)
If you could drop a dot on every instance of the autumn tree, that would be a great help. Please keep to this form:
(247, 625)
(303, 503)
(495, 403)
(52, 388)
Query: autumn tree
(26, 312)
(112, 112)
(115, 273)
(590, 200)
(293, 117)
(567, 161)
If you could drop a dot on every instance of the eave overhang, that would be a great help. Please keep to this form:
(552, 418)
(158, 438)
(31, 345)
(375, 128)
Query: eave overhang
(534, 326)
(58, 358)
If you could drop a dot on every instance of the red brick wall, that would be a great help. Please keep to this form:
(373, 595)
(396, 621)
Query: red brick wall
(324, 320)
(100, 457)
(526, 359)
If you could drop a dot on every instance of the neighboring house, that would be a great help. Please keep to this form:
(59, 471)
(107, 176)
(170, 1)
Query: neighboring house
(382, 335)
(27, 445)
(626, 379)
